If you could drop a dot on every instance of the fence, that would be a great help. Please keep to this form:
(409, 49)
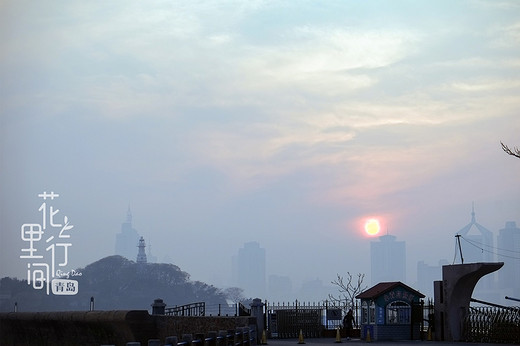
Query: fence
(203, 309)
(286, 321)
(193, 309)
(493, 325)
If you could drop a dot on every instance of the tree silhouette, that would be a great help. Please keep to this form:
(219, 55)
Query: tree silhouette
(513, 152)
(235, 294)
(348, 289)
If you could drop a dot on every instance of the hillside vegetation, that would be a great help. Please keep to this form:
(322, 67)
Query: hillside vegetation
(116, 283)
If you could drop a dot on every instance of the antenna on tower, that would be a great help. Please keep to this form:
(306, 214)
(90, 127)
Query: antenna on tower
(129, 214)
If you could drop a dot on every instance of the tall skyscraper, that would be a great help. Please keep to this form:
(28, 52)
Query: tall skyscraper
(127, 239)
(509, 249)
(476, 238)
(477, 244)
(250, 270)
(387, 260)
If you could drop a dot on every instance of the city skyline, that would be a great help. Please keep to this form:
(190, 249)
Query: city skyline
(225, 122)
(248, 269)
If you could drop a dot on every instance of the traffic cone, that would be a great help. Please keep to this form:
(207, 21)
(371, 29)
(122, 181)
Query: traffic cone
(300, 338)
(338, 335)
(367, 338)
(264, 338)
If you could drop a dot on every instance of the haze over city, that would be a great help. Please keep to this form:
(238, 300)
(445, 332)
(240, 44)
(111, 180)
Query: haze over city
(286, 123)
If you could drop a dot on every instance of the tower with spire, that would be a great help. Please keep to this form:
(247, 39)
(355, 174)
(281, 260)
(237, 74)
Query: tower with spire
(476, 243)
(476, 239)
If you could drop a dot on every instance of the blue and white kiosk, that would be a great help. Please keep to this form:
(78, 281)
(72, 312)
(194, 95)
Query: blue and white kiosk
(391, 311)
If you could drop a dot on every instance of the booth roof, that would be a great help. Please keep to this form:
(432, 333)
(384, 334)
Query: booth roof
(383, 287)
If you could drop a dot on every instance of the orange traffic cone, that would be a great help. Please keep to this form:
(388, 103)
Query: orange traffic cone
(264, 338)
(300, 338)
(368, 339)
(338, 335)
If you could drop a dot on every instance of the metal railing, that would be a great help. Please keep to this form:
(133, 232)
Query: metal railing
(492, 324)
(203, 309)
(193, 309)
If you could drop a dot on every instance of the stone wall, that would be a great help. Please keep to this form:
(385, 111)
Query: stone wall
(106, 327)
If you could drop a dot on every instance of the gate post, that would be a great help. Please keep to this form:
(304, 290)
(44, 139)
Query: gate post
(257, 310)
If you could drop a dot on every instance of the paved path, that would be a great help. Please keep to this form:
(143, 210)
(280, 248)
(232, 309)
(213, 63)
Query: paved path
(344, 342)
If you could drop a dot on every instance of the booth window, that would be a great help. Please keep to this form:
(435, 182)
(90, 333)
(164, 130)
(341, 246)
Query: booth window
(372, 312)
(398, 313)
(364, 313)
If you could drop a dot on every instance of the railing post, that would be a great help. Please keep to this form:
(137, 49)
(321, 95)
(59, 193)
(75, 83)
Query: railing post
(171, 340)
(199, 339)
(222, 337)
(247, 335)
(187, 338)
(239, 336)
(211, 340)
(158, 307)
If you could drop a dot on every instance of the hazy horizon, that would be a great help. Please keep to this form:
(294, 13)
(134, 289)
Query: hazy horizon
(289, 124)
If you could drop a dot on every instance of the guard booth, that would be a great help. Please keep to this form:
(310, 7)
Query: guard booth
(391, 311)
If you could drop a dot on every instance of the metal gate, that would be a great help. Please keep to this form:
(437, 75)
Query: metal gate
(287, 321)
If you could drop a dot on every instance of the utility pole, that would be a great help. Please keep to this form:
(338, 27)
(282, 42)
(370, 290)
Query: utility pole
(460, 248)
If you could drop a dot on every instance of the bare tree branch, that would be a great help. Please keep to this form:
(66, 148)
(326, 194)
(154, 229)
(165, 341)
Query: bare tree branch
(514, 152)
(348, 289)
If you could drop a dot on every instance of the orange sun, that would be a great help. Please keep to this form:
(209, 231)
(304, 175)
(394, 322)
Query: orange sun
(372, 226)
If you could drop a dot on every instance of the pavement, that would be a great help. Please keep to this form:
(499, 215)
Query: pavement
(345, 342)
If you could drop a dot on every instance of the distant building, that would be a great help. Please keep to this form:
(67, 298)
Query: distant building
(387, 260)
(509, 247)
(477, 239)
(127, 239)
(477, 246)
(427, 274)
(314, 290)
(141, 254)
(249, 270)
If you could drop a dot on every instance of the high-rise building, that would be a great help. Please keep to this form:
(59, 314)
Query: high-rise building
(476, 239)
(477, 246)
(249, 267)
(508, 248)
(387, 260)
(127, 239)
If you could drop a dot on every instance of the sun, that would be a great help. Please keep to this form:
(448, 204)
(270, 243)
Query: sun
(372, 226)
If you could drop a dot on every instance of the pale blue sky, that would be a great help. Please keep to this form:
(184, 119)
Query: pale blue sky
(286, 123)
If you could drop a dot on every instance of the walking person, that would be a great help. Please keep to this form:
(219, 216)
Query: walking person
(348, 322)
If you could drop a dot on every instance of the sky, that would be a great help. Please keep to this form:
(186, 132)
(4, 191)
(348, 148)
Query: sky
(285, 123)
